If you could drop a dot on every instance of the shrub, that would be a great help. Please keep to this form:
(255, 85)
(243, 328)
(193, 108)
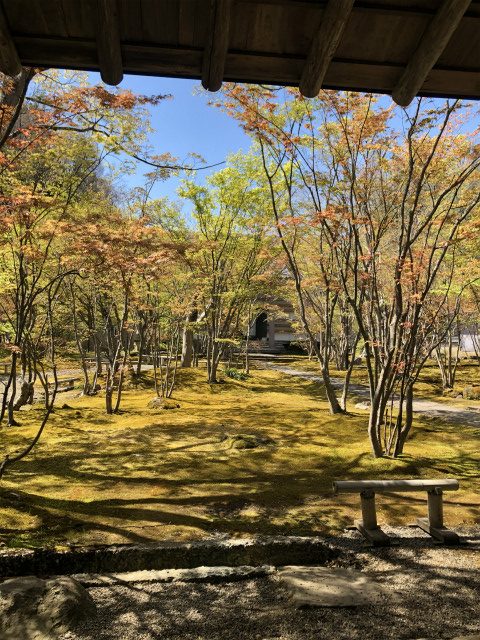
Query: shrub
(236, 374)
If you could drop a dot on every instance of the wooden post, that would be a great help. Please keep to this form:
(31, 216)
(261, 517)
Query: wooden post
(108, 42)
(216, 47)
(368, 525)
(325, 42)
(369, 512)
(429, 50)
(435, 508)
(434, 524)
(9, 61)
(271, 332)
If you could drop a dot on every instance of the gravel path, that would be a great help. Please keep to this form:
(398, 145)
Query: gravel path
(432, 592)
(440, 410)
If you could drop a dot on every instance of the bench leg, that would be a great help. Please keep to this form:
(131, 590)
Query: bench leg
(434, 524)
(368, 525)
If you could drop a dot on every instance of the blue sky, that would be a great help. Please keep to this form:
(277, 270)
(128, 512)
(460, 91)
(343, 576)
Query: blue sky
(184, 124)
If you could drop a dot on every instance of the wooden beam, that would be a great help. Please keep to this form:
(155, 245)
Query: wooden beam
(352, 486)
(429, 50)
(216, 47)
(324, 45)
(108, 42)
(10, 63)
(440, 533)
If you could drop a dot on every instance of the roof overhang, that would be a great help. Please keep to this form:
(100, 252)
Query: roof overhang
(400, 47)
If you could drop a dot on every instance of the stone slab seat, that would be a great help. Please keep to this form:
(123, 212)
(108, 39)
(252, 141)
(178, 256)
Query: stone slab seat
(368, 525)
(69, 381)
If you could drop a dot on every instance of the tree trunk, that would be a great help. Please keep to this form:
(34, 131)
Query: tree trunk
(214, 361)
(404, 432)
(98, 356)
(247, 354)
(11, 402)
(373, 428)
(333, 402)
(141, 348)
(109, 391)
(348, 374)
(121, 378)
(187, 347)
(173, 373)
(87, 387)
(26, 395)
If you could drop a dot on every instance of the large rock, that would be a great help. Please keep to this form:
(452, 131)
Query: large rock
(471, 393)
(476, 636)
(35, 609)
(197, 574)
(364, 404)
(326, 587)
(247, 441)
(162, 403)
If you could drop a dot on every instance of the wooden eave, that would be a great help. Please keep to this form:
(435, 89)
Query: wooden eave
(384, 46)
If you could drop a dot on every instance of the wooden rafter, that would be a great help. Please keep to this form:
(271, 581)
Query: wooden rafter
(9, 61)
(269, 42)
(108, 42)
(430, 48)
(324, 45)
(217, 45)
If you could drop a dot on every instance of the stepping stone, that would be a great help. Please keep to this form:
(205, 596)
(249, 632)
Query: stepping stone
(198, 574)
(476, 636)
(327, 587)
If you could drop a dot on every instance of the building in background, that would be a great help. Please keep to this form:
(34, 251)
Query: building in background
(275, 328)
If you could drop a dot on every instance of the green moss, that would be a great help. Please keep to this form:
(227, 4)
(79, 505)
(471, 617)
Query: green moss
(145, 475)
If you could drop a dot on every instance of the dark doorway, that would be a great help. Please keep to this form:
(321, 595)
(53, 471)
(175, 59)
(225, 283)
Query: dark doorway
(261, 326)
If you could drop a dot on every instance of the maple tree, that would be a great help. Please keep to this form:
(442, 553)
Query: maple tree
(55, 133)
(387, 205)
(231, 257)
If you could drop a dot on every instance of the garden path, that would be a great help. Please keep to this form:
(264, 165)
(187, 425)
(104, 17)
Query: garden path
(443, 411)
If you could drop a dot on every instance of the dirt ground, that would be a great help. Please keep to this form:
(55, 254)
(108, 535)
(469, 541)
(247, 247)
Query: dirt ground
(432, 592)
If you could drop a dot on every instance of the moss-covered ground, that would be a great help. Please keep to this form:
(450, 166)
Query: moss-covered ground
(429, 384)
(150, 474)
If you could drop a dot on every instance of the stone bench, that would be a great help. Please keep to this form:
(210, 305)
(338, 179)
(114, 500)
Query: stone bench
(367, 489)
(65, 384)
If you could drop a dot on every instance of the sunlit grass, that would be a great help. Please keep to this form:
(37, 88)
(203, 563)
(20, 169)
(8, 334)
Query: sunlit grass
(428, 385)
(151, 474)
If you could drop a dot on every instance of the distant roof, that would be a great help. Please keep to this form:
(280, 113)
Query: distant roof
(402, 47)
